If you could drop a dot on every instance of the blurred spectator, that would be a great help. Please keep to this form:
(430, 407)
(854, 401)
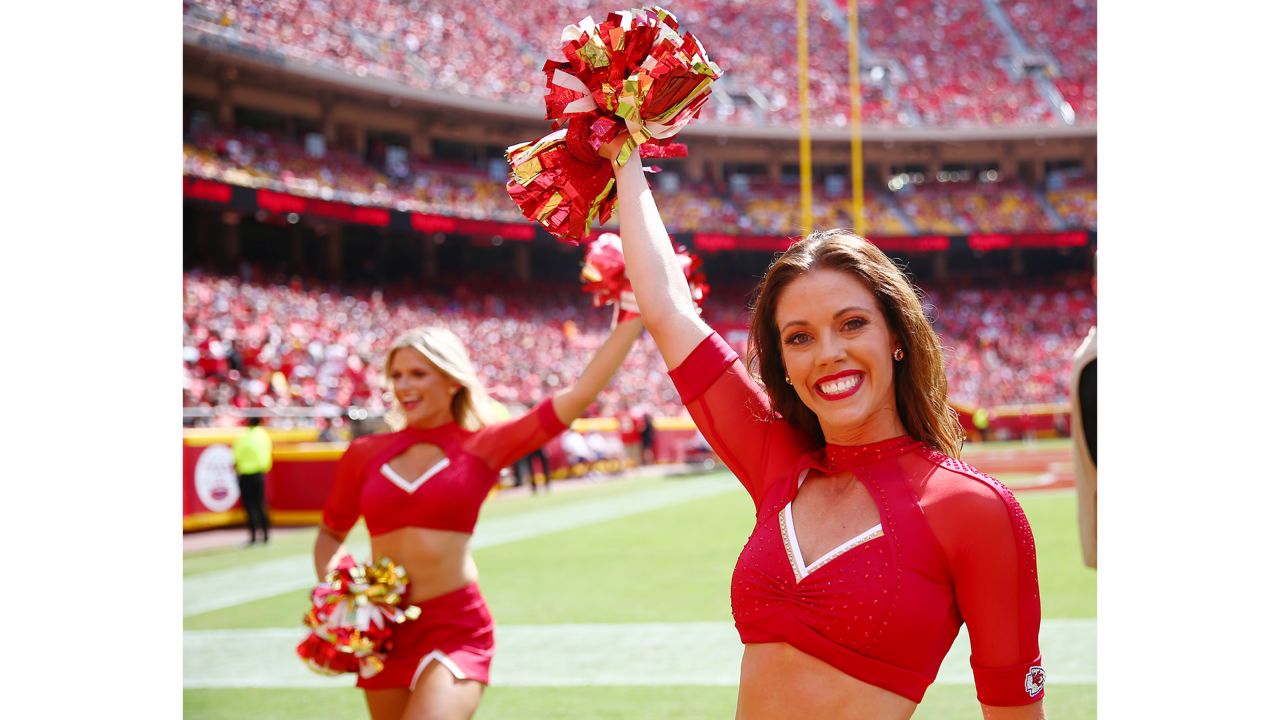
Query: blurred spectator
(524, 471)
(629, 434)
(647, 434)
(252, 455)
(575, 447)
(327, 433)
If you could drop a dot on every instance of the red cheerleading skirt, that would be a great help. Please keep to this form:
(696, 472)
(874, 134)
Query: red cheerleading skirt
(454, 629)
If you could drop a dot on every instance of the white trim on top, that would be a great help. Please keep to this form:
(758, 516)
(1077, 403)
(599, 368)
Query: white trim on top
(411, 487)
(803, 569)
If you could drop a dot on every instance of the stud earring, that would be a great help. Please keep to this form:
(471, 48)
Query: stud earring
(788, 379)
(898, 354)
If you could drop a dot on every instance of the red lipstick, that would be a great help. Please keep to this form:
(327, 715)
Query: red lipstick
(857, 384)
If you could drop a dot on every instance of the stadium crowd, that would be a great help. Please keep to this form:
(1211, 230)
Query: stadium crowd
(928, 62)
(952, 53)
(1068, 31)
(281, 345)
(1012, 345)
(274, 344)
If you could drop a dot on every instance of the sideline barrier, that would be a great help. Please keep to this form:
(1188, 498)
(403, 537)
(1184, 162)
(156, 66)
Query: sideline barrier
(302, 471)
(1018, 422)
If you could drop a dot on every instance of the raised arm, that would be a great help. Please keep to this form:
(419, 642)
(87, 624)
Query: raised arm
(502, 444)
(661, 289)
(574, 400)
(732, 410)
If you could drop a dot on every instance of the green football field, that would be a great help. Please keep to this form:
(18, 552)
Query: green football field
(611, 601)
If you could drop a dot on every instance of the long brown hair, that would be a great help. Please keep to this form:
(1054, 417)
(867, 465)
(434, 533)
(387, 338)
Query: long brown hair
(920, 384)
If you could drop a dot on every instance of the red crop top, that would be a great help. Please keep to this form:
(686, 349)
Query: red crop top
(445, 497)
(952, 547)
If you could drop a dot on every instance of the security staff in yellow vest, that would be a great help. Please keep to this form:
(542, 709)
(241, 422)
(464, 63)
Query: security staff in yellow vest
(252, 452)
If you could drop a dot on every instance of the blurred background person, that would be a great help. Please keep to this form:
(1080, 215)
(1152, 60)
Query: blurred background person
(252, 453)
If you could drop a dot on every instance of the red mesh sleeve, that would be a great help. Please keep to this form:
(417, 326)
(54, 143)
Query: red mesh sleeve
(501, 444)
(735, 416)
(343, 507)
(992, 555)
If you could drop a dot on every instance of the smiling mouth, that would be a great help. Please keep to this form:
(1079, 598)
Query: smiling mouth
(839, 387)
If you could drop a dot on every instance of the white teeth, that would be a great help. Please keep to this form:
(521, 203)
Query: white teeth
(838, 386)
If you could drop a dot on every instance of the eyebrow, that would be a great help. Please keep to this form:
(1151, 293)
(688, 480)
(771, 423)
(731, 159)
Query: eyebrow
(836, 314)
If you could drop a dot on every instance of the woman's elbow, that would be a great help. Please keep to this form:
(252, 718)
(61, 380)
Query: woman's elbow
(667, 318)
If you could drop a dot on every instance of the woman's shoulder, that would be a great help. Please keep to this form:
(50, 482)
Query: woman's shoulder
(961, 486)
(365, 446)
(971, 510)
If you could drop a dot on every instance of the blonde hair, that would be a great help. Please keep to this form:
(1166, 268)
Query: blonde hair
(919, 381)
(470, 406)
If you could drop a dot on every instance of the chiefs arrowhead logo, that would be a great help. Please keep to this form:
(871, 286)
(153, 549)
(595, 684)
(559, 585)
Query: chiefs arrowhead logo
(1034, 682)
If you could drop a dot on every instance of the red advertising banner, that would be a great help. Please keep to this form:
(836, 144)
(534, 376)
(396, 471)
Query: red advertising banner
(715, 242)
(206, 190)
(1000, 241)
(209, 482)
(463, 226)
(922, 243)
(277, 202)
(987, 243)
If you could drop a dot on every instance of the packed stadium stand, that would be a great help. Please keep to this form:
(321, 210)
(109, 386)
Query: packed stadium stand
(924, 63)
(260, 344)
(267, 345)
(1066, 30)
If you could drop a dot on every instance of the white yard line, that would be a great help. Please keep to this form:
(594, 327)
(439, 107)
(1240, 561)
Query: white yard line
(695, 653)
(219, 589)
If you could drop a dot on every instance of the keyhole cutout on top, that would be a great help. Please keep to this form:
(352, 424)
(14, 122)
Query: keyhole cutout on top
(416, 465)
(828, 517)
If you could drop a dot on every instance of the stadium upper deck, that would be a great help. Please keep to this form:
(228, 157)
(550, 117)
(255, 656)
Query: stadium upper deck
(261, 159)
(924, 63)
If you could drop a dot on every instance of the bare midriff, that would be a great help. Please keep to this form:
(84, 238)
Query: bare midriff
(436, 561)
(780, 681)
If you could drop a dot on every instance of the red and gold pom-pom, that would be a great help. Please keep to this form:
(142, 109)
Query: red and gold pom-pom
(691, 265)
(560, 182)
(604, 275)
(634, 65)
(631, 82)
(351, 617)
